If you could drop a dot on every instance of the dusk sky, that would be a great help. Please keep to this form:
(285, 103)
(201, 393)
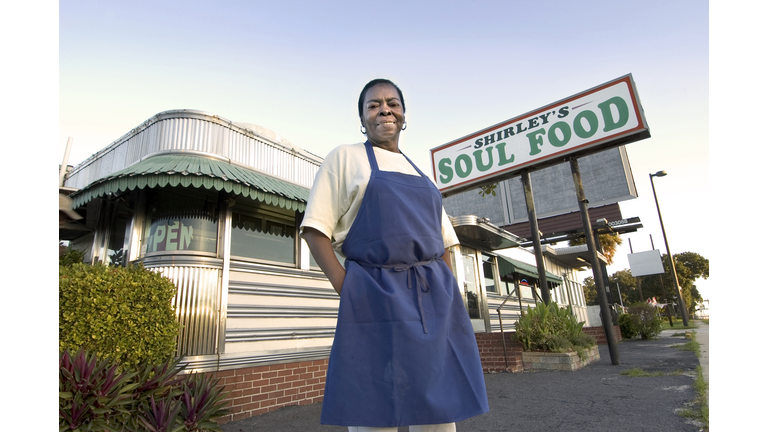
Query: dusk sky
(101, 68)
(297, 68)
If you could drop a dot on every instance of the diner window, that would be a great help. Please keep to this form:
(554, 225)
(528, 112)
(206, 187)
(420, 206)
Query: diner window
(489, 269)
(264, 233)
(181, 220)
(510, 287)
(119, 234)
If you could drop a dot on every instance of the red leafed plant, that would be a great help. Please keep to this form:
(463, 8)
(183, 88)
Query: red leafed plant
(162, 416)
(91, 392)
(95, 396)
(201, 402)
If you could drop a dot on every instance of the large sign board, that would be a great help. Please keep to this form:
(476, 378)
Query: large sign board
(604, 116)
(645, 263)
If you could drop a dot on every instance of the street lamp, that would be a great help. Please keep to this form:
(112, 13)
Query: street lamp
(681, 302)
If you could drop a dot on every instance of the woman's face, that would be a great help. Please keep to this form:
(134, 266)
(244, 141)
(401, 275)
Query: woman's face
(383, 116)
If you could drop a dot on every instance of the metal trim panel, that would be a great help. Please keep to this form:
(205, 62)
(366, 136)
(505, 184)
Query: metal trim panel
(171, 259)
(190, 130)
(274, 311)
(236, 361)
(267, 334)
(252, 267)
(279, 290)
(480, 233)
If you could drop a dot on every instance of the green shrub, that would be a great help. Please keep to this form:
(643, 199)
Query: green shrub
(645, 320)
(124, 313)
(71, 256)
(94, 396)
(550, 328)
(627, 326)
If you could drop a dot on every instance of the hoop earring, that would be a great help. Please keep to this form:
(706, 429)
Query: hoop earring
(362, 130)
(405, 125)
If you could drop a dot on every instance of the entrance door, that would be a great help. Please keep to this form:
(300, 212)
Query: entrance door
(472, 298)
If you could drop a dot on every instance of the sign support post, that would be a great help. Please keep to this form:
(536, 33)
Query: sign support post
(534, 223)
(603, 270)
(605, 313)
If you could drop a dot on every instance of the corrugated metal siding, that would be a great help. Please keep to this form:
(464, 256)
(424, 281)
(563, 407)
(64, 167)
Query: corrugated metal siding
(195, 131)
(197, 307)
(509, 314)
(272, 315)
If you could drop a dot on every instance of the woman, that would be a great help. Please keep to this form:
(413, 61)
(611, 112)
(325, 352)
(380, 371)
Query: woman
(404, 352)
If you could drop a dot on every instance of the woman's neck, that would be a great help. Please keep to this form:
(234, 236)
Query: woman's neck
(391, 146)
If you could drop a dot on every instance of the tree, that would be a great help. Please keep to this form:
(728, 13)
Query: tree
(489, 189)
(590, 292)
(626, 284)
(623, 282)
(608, 242)
(690, 267)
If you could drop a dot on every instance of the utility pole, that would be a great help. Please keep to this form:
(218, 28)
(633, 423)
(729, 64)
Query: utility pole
(680, 300)
(638, 281)
(663, 291)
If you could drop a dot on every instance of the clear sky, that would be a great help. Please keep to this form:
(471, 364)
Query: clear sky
(100, 68)
(296, 67)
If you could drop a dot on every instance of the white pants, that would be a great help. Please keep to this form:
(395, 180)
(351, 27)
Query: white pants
(443, 427)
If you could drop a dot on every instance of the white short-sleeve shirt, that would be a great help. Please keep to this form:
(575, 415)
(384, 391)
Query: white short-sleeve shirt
(339, 187)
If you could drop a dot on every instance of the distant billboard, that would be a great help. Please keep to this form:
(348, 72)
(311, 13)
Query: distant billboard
(645, 263)
(605, 116)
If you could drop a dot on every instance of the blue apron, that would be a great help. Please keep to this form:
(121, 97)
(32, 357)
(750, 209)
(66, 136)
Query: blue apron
(404, 352)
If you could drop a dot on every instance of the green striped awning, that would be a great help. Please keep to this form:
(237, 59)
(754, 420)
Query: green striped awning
(196, 171)
(507, 266)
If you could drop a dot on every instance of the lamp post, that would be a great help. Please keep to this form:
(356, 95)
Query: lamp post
(681, 302)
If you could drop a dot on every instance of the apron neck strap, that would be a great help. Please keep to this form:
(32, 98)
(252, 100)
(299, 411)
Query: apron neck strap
(371, 156)
(375, 165)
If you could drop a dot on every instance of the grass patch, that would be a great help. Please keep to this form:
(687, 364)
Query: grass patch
(637, 372)
(701, 411)
(706, 321)
(677, 324)
(692, 345)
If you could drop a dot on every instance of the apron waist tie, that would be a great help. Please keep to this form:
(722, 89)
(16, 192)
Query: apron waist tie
(414, 272)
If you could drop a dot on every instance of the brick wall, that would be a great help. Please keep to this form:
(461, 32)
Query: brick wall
(599, 334)
(491, 350)
(258, 390)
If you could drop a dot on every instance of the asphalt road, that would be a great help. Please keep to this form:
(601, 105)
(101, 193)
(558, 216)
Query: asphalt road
(596, 398)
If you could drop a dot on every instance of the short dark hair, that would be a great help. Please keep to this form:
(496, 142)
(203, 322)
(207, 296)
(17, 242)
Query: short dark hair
(373, 83)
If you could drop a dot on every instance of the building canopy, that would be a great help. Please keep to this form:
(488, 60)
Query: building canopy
(507, 266)
(197, 171)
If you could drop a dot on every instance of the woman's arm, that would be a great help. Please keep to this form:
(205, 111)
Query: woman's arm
(447, 259)
(321, 249)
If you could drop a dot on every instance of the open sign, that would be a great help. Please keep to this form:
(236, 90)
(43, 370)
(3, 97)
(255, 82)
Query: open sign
(181, 235)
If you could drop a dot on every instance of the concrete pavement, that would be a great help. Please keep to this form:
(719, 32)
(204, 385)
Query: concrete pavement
(595, 398)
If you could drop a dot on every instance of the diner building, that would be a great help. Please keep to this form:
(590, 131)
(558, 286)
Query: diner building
(216, 207)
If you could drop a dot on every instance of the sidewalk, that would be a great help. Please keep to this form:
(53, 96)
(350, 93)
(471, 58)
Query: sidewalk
(596, 398)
